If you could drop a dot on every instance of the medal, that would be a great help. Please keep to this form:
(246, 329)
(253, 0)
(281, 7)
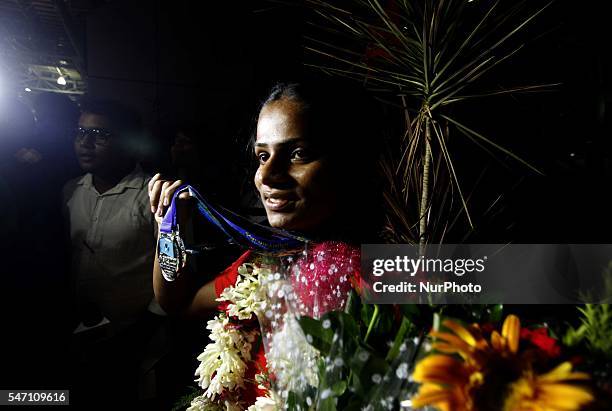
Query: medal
(171, 255)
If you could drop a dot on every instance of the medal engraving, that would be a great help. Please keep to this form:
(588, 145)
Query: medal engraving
(171, 255)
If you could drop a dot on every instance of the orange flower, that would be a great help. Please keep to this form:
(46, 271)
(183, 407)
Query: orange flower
(470, 373)
(549, 391)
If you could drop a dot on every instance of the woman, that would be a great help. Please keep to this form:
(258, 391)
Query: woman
(316, 155)
(316, 150)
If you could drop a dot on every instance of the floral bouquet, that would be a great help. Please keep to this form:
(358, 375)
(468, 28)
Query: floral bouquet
(293, 333)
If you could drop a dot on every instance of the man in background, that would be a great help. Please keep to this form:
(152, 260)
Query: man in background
(112, 241)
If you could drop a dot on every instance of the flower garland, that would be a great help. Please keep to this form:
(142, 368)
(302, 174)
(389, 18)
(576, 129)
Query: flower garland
(225, 360)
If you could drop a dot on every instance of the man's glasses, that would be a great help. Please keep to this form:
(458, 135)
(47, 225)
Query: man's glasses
(101, 136)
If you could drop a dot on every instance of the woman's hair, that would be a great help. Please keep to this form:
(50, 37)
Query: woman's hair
(348, 126)
(337, 113)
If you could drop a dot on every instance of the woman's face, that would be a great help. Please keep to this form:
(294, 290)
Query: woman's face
(294, 178)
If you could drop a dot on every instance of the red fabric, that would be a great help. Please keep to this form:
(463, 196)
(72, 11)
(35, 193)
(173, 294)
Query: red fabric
(229, 276)
(258, 365)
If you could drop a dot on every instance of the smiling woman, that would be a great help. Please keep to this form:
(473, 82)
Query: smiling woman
(316, 148)
(298, 178)
(289, 176)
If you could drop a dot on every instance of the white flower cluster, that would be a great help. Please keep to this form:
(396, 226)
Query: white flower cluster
(246, 297)
(224, 361)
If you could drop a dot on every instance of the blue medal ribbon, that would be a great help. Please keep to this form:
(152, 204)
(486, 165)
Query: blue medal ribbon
(262, 239)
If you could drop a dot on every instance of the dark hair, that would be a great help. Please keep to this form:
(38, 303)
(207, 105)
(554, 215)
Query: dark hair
(123, 119)
(336, 111)
(347, 121)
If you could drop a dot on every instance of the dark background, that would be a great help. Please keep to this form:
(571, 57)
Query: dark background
(203, 67)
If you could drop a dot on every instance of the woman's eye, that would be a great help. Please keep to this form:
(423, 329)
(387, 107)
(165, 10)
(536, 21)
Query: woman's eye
(262, 157)
(299, 154)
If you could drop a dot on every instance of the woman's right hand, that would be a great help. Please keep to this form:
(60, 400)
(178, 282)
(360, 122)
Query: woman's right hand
(161, 192)
(181, 296)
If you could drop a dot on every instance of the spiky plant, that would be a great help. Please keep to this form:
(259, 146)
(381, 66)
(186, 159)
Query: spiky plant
(595, 320)
(424, 56)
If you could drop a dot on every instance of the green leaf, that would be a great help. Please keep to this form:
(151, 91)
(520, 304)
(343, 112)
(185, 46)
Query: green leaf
(399, 339)
(292, 401)
(364, 364)
(339, 388)
(329, 402)
(496, 313)
(319, 337)
(466, 129)
(451, 168)
(594, 331)
(465, 43)
(367, 311)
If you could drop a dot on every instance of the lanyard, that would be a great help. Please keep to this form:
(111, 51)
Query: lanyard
(237, 229)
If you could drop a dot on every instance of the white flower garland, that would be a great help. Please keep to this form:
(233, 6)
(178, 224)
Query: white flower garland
(224, 360)
(225, 357)
(246, 297)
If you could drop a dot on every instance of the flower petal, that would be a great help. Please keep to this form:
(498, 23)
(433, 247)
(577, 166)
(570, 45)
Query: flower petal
(564, 396)
(461, 331)
(497, 341)
(563, 372)
(431, 394)
(441, 369)
(453, 340)
(511, 330)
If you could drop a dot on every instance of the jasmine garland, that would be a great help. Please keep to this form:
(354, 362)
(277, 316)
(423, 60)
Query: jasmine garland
(225, 359)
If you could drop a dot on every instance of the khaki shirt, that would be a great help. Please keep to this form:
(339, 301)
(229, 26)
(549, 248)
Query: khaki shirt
(113, 238)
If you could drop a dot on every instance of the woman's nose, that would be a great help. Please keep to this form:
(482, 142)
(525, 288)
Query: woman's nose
(274, 171)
